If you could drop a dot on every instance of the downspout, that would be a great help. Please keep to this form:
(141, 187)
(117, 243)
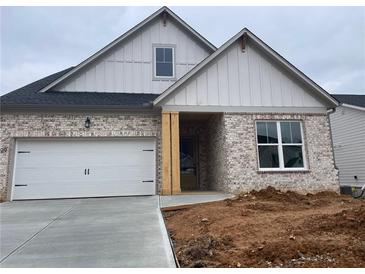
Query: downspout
(329, 112)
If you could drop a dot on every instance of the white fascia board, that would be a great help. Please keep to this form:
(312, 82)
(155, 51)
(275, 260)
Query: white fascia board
(126, 35)
(246, 109)
(281, 60)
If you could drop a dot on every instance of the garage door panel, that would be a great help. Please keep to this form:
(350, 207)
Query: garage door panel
(138, 173)
(93, 190)
(132, 172)
(25, 175)
(85, 144)
(56, 168)
(123, 159)
(53, 184)
(35, 161)
(87, 158)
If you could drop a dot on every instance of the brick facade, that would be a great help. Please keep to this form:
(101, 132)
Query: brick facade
(234, 162)
(17, 125)
(217, 166)
(227, 146)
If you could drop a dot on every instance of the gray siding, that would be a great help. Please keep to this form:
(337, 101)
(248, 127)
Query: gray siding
(239, 78)
(348, 133)
(128, 67)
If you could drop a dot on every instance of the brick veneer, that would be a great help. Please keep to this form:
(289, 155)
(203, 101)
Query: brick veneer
(231, 154)
(234, 165)
(51, 125)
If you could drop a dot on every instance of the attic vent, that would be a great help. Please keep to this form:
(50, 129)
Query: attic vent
(164, 17)
(243, 42)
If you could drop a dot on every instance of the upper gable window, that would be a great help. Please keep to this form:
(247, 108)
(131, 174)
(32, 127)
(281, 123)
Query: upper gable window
(164, 59)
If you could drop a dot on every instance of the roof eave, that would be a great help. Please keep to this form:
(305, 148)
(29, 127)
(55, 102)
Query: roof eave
(5, 107)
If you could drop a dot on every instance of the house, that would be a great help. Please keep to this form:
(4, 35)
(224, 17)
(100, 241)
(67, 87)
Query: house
(348, 134)
(160, 110)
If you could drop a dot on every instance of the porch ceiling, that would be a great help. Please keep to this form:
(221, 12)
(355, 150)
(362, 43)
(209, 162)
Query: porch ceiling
(193, 116)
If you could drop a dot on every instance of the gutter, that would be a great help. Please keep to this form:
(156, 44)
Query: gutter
(352, 106)
(331, 110)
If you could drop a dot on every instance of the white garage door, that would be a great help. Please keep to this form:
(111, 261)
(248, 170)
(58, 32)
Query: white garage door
(67, 168)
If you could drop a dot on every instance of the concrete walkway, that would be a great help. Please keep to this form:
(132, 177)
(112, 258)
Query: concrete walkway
(103, 232)
(192, 198)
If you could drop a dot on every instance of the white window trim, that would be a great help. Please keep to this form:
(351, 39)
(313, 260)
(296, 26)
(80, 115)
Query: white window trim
(280, 148)
(156, 77)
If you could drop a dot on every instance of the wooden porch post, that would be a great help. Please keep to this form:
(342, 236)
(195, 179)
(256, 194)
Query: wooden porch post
(175, 153)
(166, 154)
(170, 153)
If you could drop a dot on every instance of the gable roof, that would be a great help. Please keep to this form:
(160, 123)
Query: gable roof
(351, 99)
(163, 10)
(277, 57)
(28, 96)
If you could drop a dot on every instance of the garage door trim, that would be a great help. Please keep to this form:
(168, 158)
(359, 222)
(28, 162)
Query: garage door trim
(150, 141)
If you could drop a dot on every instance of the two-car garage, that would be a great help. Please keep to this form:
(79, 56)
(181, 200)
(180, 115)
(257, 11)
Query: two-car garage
(83, 167)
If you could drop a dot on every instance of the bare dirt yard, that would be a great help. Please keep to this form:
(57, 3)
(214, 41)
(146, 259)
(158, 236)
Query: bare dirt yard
(270, 228)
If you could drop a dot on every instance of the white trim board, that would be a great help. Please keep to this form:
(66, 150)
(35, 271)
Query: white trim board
(248, 109)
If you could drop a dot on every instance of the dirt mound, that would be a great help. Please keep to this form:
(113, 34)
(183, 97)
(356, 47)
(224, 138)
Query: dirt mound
(273, 194)
(270, 228)
(291, 197)
(199, 252)
(347, 221)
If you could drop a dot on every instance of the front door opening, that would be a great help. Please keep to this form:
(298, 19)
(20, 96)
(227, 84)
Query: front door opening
(198, 134)
(188, 163)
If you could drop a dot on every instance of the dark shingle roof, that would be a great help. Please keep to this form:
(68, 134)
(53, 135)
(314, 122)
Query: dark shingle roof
(28, 96)
(351, 99)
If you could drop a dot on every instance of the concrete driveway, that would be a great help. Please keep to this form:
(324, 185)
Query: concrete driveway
(102, 232)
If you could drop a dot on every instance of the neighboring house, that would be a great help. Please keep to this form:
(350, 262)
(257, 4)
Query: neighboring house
(160, 110)
(348, 134)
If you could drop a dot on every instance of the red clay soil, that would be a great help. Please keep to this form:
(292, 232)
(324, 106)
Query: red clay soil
(270, 228)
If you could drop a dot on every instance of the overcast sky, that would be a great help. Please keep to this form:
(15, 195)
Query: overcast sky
(326, 43)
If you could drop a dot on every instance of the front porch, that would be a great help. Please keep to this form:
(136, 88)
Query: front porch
(188, 153)
(187, 199)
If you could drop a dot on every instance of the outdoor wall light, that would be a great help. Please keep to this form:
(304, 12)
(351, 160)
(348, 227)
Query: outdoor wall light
(87, 122)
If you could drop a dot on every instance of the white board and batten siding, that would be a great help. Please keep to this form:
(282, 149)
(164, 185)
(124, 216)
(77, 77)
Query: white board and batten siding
(69, 168)
(237, 78)
(128, 67)
(348, 133)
